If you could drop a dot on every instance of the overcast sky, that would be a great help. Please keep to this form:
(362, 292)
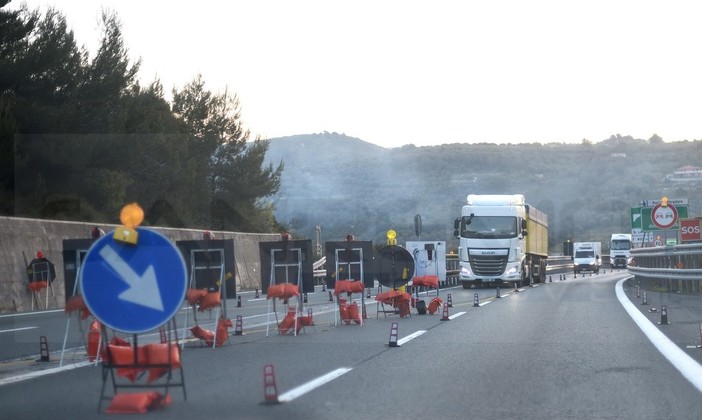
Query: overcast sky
(426, 72)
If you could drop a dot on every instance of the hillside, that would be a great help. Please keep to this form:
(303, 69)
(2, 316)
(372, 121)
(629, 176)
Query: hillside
(346, 185)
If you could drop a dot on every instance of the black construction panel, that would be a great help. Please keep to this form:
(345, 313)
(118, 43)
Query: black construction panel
(351, 254)
(208, 258)
(74, 252)
(288, 256)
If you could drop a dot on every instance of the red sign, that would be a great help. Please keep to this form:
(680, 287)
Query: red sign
(690, 230)
(664, 217)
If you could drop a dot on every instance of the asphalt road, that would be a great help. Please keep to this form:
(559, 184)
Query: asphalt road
(566, 349)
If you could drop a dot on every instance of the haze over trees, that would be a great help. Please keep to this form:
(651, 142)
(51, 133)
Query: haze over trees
(80, 137)
(345, 185)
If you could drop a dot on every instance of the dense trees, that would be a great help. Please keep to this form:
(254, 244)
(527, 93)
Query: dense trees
(80, 137)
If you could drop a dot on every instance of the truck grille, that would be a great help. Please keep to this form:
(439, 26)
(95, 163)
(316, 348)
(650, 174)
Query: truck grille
(488, 265)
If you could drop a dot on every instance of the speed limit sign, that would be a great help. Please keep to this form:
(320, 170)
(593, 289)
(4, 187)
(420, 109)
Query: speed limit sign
(664, 217)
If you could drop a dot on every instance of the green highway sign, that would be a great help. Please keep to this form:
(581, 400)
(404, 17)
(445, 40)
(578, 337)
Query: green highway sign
(641, 218)
(636, 218)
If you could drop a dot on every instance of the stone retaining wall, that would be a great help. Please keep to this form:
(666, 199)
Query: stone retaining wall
(21, 239)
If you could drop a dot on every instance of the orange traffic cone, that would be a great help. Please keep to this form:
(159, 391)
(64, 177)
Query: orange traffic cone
(94, 340)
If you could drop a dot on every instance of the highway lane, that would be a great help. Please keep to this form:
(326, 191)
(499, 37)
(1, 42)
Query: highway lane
(20, 333)
(565, 349)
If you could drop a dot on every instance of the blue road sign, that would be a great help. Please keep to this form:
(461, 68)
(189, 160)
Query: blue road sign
(133, 288)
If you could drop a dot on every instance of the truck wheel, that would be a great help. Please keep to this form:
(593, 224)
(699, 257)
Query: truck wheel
(466, 285)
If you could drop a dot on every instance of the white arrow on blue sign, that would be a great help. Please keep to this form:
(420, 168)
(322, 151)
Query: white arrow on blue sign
(134, 289)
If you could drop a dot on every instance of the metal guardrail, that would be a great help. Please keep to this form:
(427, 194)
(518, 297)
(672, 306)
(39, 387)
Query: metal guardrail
(679, 262)
(554, 264)
(318, 271)
(667, 273)
(559, 263)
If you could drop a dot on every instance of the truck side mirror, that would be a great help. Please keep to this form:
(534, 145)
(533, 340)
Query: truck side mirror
(456, 224)
(524, 224)
(524, 232)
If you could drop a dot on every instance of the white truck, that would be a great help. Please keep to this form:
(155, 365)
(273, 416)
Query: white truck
(501, 239)
(587, 256)
(619, 250)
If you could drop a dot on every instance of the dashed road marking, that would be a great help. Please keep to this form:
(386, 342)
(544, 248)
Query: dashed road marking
(18, 329)
(410, 337)
(311, 385)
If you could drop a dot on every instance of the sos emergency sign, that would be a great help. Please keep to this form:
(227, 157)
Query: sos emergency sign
(690, 230)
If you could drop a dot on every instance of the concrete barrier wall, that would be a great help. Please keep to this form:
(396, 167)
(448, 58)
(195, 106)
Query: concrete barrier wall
(21, 239)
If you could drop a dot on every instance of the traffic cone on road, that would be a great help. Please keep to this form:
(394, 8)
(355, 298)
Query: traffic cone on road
(393, 336)
(445, 316)
(44, 350)
(270, 390)
(239, 327)
(664, 315)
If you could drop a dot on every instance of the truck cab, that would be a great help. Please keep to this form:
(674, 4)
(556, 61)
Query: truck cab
(494, 247)
(619, 250)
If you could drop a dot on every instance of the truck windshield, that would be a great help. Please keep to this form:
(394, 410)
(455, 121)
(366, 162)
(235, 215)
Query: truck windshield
(585, 254)
(495, 227)
(620, 244)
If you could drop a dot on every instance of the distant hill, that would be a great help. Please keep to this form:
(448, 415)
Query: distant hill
(346, 185)
(303, 150)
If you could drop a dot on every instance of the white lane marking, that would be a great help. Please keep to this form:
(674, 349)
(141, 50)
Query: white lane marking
(18, 329)
(686, 365)
(410, 337)
(20, 378)
(32, 313)
(456, 315)
(309, 386)
(485, 303)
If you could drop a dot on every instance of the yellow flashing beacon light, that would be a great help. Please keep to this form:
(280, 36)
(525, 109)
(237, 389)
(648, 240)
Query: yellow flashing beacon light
(664, 202)
(391, 235)
(131, 216)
